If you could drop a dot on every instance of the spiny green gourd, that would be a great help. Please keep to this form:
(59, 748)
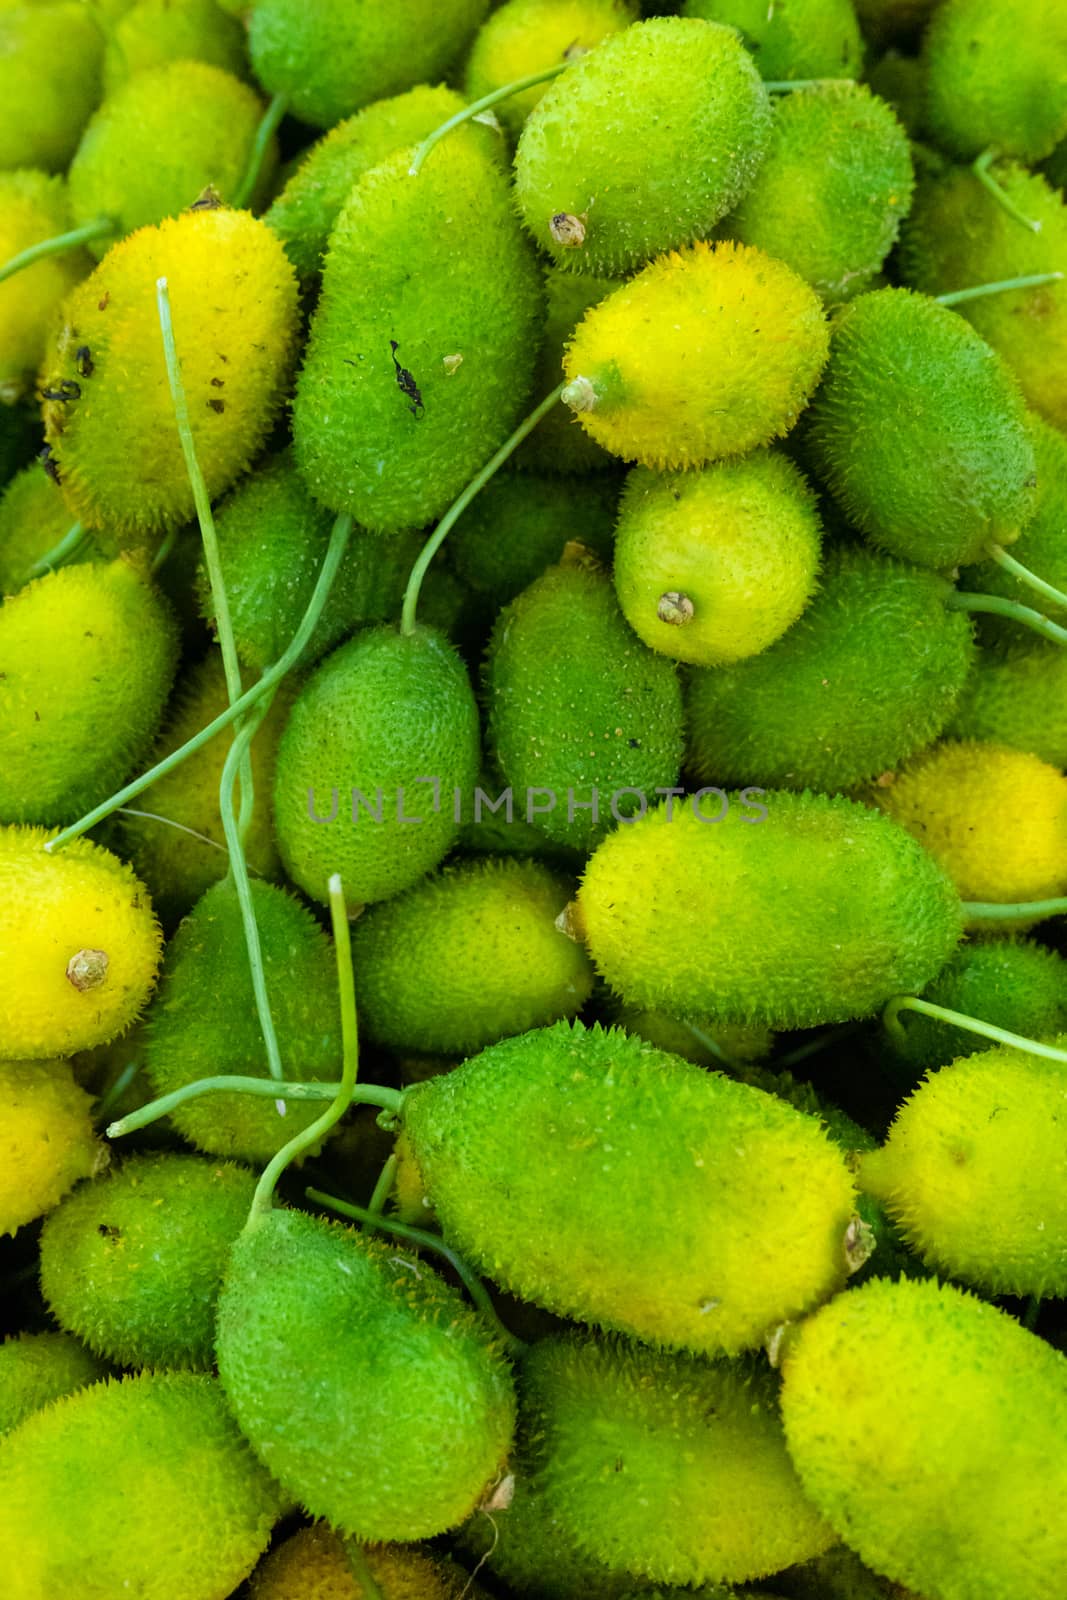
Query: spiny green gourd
(1017, 695)
(204, 1020)
(996, 819)
(664, 1464)
(33, 206)
(349, 1367)
(1042, 545)
(817, 912)
(802, 39)
(996, 77)
(46, 1138)
(523, 36)
(919, 431)
(709, 351)
(385, 731)
(142, 1486)
(585, 722)
(37, 1368)
(50, 82)
(713, 566)
(200, 124)
(559, 443)
(468, 957)
(113, 440)
(33, 520)
(973, 1172)
(331, 59)
(74, 724)
(830, 196)
(604, 174)
(870, 673)
(314, 1564)
(959, 234)
(132, 1263)
(79, 946)
(928, 1428)
(738, 1223)
(412, 378)
(153, 32)
(304, 214)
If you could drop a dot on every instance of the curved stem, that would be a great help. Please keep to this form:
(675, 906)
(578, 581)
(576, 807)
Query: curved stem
(164, 552)
(156, 816)
(57, 245)
(460, 504)
(360, 1569)
(263, 1199)
(68, 546)
(1017, 910)
(339, 537)
(959, 601)
(383, 1188)
(980, 167)
(712, 1046)
(268, 127)
(112, 1096)
(812, 1047)
(957, 1019)
(476, 108)
(427, 1241)
(1033, 280)
(364, 1094)
(1048, 591)
(783, 85)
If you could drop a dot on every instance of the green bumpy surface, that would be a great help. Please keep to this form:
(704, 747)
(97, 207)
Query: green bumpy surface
(527, 1154)
(37, 1368)
(387, 424)
(1042, 545)
(153, 32)
(870, 673)
(33, 206)
(382, 712)
(559, 443)
(204, 1022)
(50, 82)
(819, 912)
(132, 1262)
(611, 143)
(797, 39)
(140, 1487)
(919, 431)
(1017, 695)
(580, 711)
(928, 1428)
(829, 198)
(368, 1388)
(33, 519)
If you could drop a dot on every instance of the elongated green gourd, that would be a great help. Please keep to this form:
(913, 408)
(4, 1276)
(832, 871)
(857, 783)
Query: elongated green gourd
(1017, 695)
(817, 913)
(33, 206)
(738, 1223)
(47, 1137)
(1042, 545)
(153, 32)
(314, 1564)
(37, 1368)
(805, 39)
(50, 82)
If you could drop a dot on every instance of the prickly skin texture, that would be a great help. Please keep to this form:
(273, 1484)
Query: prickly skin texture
(381, 712)
(737, 1225)
(332, 58)
(200, 124)
(304, 214)
(81, 898)
(830, 196)
(37, 1368)
(33, 519)
(368, 1388)
(75, 723)
(50, 82)
(996, 77)
(579, 707)
(133, 1262)
(919, 432)
(740, 539)
(154, 32)
(33, 207)
(234, 307)
(1042, 545)
(710, 351)
(142, 1487)
(973, 1171)
(664, 1464)
(611, 143)
(467, 957)
(818, 913)
(385, 424)
(803, 39)
(204, 1019)
(959, 234)
(313, 1564)
(1017, 695)
(46, 1139)
(996, 819)
(928, 1428)
(559, 443)
(870, 673)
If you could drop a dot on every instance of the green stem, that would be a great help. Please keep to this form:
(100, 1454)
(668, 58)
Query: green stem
(268, 127)
(315, 1132)
(957, 1019)
(476, 108)
(1016, 910)
(1047, 590)
(60, 242)
(980, 167)
(812, 1047)
(783, 85)
(112, 1096)
(360, 1569)
(364, 1094)
(339, 537)
(1033, 280)
(959, 601)
(427, 1241)
(1032, 1312)
(459, 505)
(712, 1046)
(165, 551)
(383, 1188)
(155, 816)
(68, 546)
